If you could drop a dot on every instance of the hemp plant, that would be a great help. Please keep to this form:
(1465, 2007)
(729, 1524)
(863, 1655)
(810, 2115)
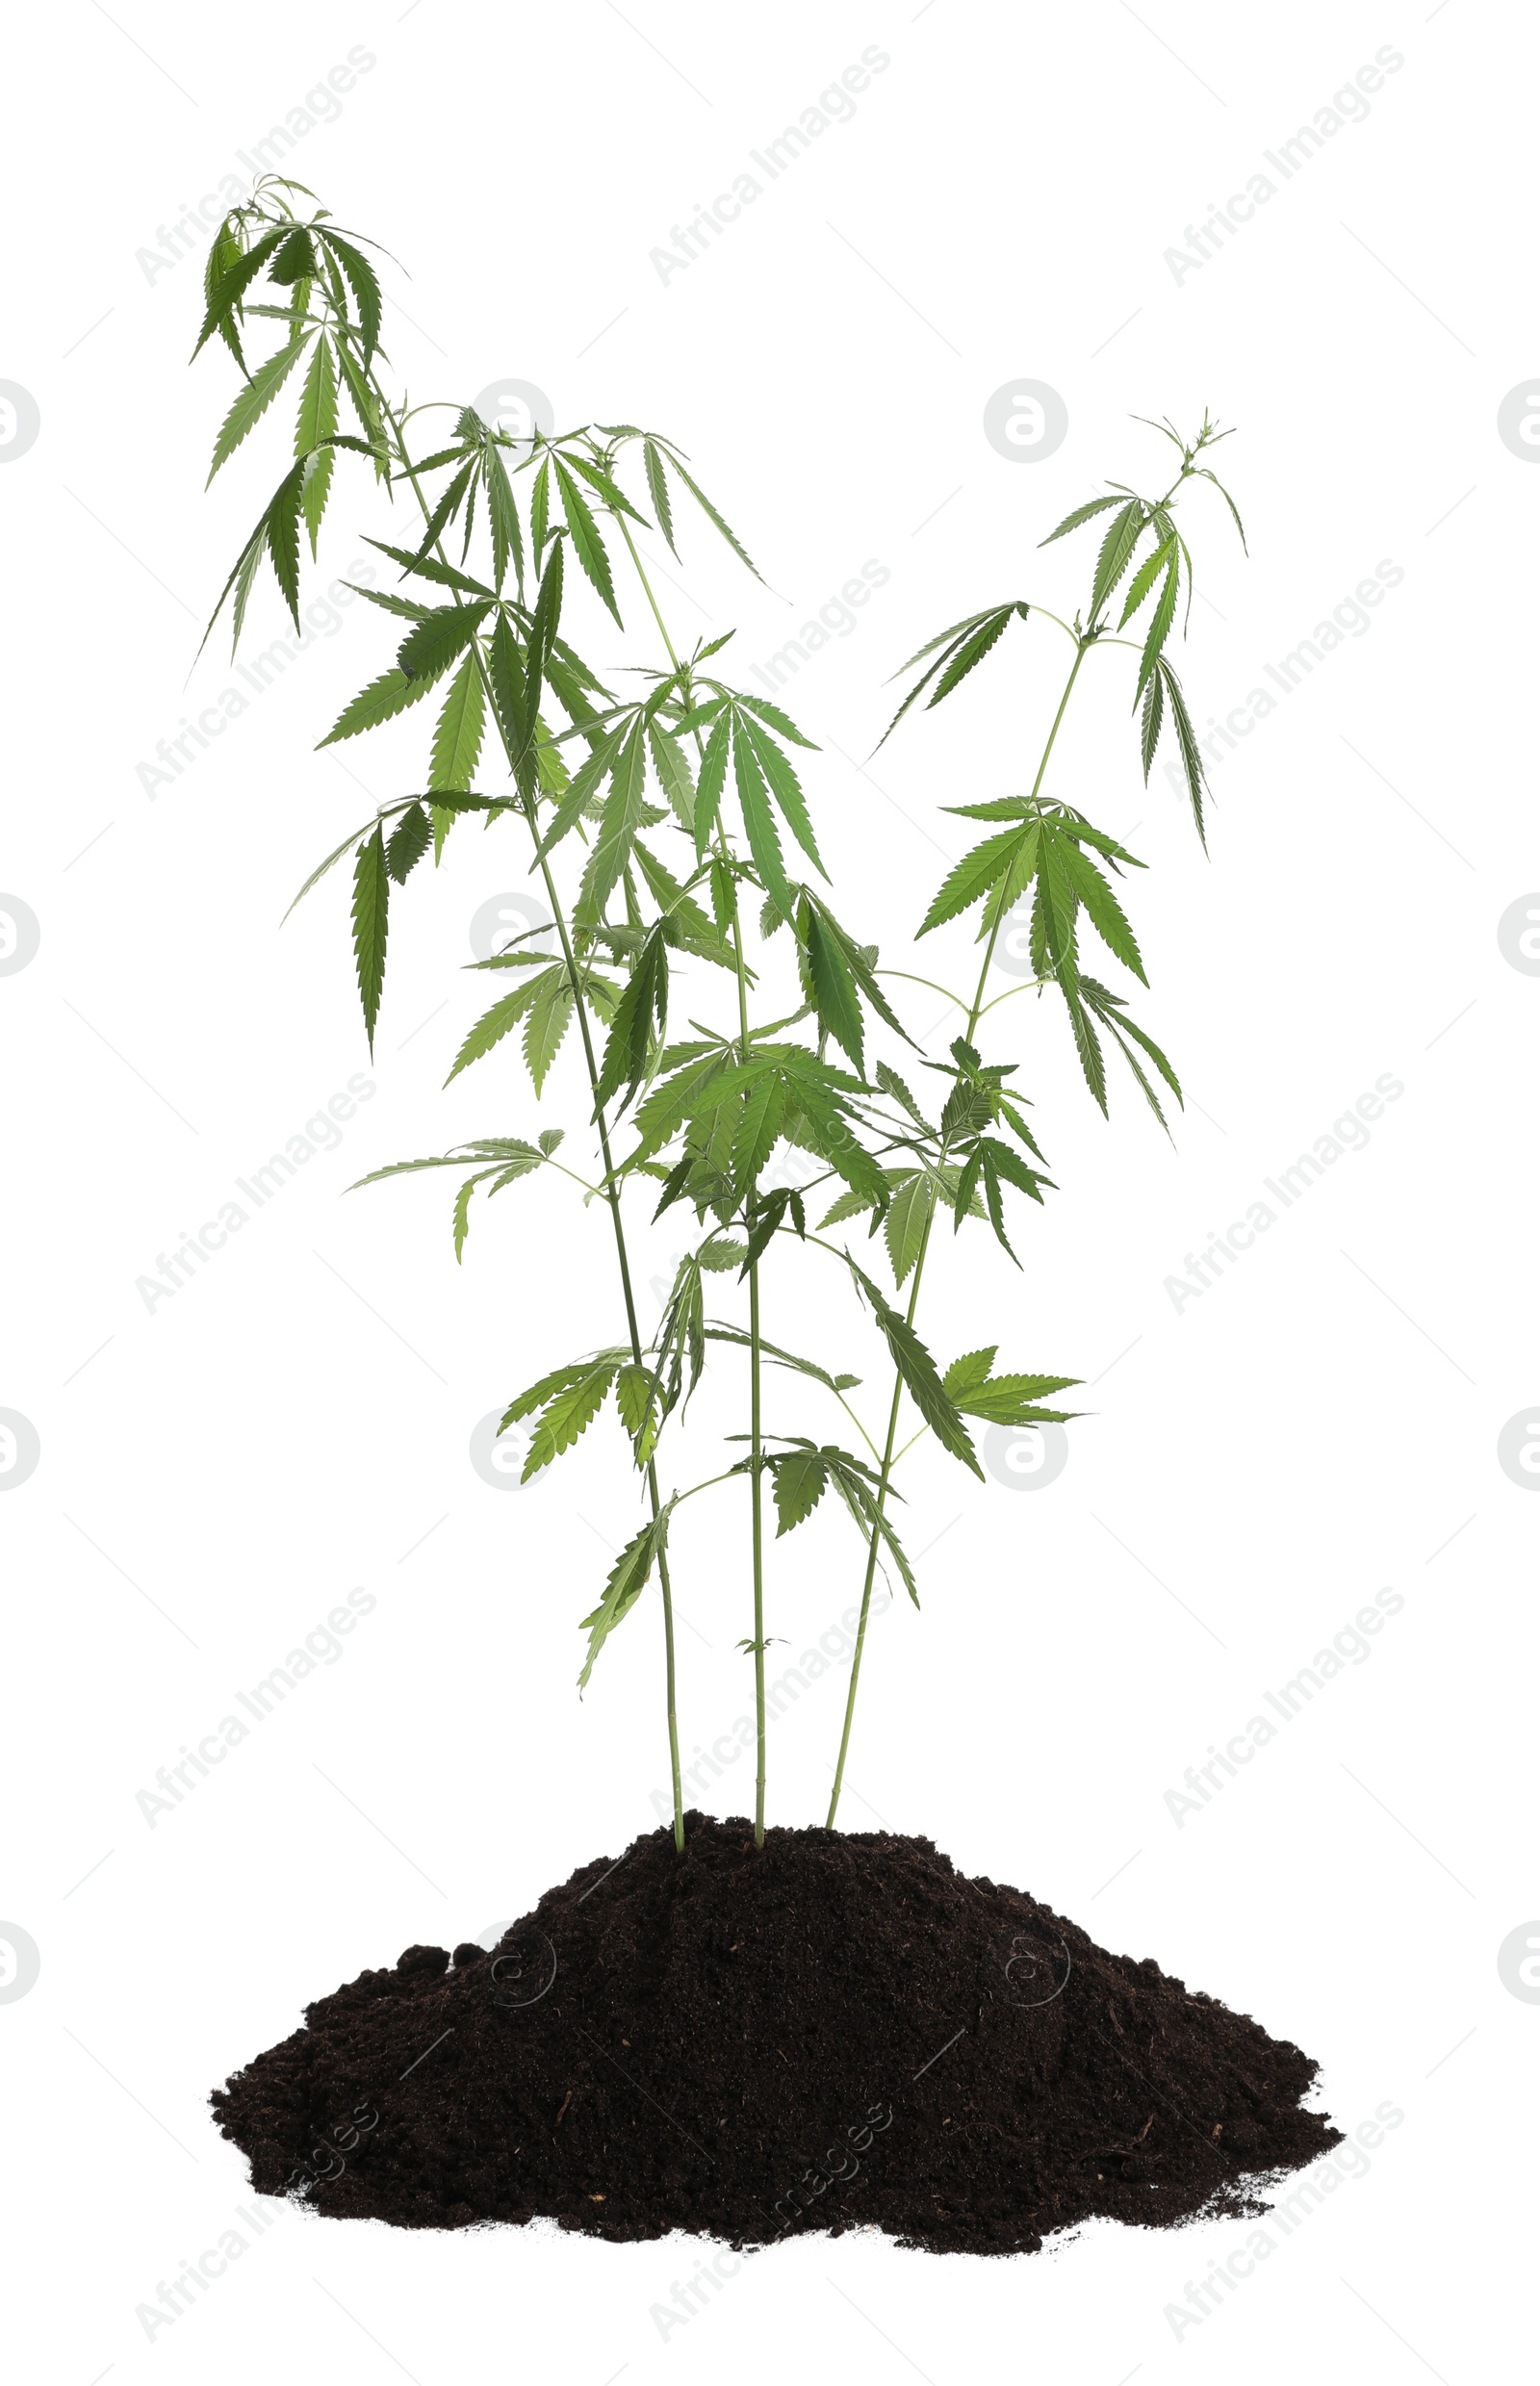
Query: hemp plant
(1042, 852)
(657, 823)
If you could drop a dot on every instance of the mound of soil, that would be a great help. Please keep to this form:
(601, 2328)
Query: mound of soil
(836, 2031)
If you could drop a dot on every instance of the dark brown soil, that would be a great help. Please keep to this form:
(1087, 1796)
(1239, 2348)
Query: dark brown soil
(838, 2031)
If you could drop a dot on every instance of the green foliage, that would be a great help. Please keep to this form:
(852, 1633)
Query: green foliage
(671, 831)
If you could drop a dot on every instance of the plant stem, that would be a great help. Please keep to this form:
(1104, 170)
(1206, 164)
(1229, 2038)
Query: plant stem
(756, 1471)
(756, 1476)
(611, 1189)
(886, 1468)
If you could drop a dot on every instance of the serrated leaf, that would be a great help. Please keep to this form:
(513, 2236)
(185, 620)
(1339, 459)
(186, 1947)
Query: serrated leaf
(568, 1415)
(1160, 627)
(317, 402)
(658, 491)
(580, 789)
(710, 511)
(1204, 474)
(313, 491)
(833, 991)
(673, 774)
(970, 655)
(1106, 912)
(708, 791)
(627, 1580)
(756, 1133)
(462, 1212)
(503, 511)
(759, 820)
(1122, 536)
(363, 282)
(430, 648)
(966, 1373)
(624, 808)
(971, 878)
(636, 1389)
(891, 1082)
(283, 537)
(784, 787)
(1082, 513)
(918, 1368)
(383, 698)
(1149, 730)
(540, 508)
(372, 896)
(585, 538)
(627, 1052)
(851, 1205)
(409, 841)
(773, 1352)
(1109, 1008)
(801, 1478)
(224, 298)
(253, 401)
(458, 737)
(1088, 1044)
(1144, 578)
(1188, 745)
(432, 568)
(550, 1016)
(557, 1380)
(908, 1222)
(781, 722)
(1016, 1399)
(493, 1024)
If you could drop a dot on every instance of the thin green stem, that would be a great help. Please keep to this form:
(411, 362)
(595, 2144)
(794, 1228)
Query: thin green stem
(610, 1188)
(1028, 986)
(930, 982)
(888, 1454)
(756, 1470)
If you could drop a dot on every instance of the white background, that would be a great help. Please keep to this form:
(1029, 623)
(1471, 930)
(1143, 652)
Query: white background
(216, 1474)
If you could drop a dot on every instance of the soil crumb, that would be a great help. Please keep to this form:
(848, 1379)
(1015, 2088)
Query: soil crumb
(836, 2031)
